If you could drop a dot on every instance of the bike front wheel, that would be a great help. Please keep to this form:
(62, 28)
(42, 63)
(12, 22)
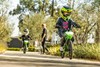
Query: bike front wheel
(24, 49)
(62, 54)
(70, 49)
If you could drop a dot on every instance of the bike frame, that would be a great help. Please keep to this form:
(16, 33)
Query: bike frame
(26, 42)
(25, 46)
(68, 35)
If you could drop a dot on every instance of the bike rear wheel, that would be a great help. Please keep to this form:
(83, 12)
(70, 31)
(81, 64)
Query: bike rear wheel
(62, 54)
(24, 49)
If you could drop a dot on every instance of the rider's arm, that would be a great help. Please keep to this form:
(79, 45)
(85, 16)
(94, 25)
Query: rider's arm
(75, 24)
(21, 37)
(29, 37)
(58, 24)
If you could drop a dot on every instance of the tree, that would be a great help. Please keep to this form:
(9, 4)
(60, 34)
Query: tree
(34, 22)
(85, 16)
(96, 5)
(36, 17)
(5, 29)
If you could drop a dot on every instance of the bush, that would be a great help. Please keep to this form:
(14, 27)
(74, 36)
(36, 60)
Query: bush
(14, 49)
(3, 47)
(87, 51)
(31, 49)
(18, 49)
(80, 51)
(54, 50)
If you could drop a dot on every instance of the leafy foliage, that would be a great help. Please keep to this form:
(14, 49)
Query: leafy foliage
(34, 24)
(35, 6)
(96, 5)
(86, 51)
(5, 29)
(86, 18)
(85, 15)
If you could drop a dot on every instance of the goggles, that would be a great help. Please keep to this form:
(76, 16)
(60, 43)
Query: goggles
(68, 11)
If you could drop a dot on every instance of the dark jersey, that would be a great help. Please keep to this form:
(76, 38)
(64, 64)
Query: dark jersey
(25, 37)
(63, 26)
(44, 31)
(66, 25)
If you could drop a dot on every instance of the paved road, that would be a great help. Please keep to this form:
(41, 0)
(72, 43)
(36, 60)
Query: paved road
(34, 59)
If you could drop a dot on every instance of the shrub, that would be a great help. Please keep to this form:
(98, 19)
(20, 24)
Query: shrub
(3, 47)
(54, 50)
(87, 51)
(14, 49)
(80, 51)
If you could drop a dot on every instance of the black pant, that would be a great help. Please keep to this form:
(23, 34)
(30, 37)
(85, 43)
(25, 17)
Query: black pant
(44, 46)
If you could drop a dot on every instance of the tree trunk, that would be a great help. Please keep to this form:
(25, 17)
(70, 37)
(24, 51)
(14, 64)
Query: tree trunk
(97, 39)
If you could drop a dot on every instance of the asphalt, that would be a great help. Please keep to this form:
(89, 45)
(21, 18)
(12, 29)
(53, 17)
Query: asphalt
(18, 56)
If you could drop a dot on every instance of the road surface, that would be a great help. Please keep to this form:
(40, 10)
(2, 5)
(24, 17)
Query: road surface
(34, 59)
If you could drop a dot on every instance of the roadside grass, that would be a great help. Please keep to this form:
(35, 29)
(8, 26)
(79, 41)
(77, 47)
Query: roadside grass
(31, 49)
(13, 49)
(54, 50)
(88, 51)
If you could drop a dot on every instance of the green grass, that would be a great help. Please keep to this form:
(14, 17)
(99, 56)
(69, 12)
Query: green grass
(14, 49)
(18, 49)
(54, 50)
(87, 51)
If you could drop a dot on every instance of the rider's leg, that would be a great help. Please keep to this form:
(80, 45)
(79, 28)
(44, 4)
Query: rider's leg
(72, 39)
(62, 39)
(22, 45)
(62, 43)
(61, 34)
(27, 46)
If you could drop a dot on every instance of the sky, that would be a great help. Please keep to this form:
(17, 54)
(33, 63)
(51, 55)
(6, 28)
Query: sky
(14, 19)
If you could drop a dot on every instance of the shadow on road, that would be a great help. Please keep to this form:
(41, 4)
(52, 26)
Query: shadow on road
(36, 60)
(46, 63)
